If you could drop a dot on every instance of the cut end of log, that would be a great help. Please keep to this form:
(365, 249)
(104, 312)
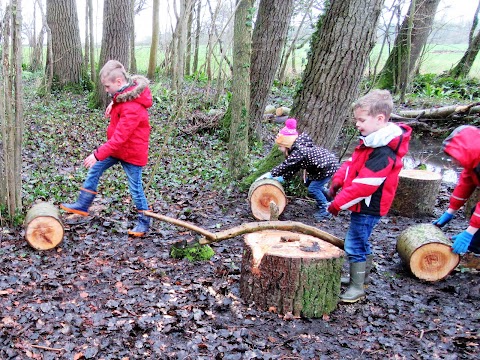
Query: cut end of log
(44, 233)
(433, 261)
(420, 174)
(264, 192)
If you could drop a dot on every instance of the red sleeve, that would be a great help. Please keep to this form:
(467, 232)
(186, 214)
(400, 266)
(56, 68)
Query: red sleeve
(463, 190)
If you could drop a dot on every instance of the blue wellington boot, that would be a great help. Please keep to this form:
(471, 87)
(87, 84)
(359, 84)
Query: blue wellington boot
(142, 226)
(82, 204)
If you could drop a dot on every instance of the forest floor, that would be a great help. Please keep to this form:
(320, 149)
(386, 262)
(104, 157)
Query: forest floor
(104, 295)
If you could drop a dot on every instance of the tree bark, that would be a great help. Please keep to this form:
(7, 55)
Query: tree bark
(188, 56)
(66, 46)
(133, 59)
(390, 77)
(180, 43)
(152, 63)
(335, 67)
(416, 193)
(268, 40)
(426, 252)
(286, 273)
(92, 42)
(11, 110)
(197, 37)
(117, 25)
(240, 102)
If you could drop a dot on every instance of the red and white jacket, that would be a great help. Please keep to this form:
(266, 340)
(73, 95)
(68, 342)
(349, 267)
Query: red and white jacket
(369, 179)
(129, 130)
(464, 146)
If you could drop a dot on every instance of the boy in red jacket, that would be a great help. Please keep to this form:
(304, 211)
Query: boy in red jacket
(369, 181)
(463, 146)
(127, 141)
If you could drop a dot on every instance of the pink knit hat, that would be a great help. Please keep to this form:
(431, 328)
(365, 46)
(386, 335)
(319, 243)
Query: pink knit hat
(290, 127)
(287, 136)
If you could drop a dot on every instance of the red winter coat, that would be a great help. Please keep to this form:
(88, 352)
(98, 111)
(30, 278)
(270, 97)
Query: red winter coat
(369, 179)
(129, 130)
(464, 146)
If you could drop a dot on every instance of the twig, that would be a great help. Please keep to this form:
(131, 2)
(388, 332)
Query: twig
(47, 348)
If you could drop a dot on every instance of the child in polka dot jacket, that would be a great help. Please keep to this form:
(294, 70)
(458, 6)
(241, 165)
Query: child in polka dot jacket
(301, 153)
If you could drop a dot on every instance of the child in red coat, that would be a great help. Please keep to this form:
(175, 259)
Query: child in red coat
(127, 141)
(368, 181)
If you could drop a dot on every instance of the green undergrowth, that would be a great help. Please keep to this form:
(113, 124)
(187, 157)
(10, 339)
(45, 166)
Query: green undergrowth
(192, 253)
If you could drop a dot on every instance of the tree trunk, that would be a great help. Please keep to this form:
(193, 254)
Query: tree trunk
(92, 42)
(117, 25)
(267, 42)
(178, 66)
(43, 226)
(66, 46)
(133, 59)
(11, 110)
(463, 67)
(392, 78)
(426, 252)
(37, 52)
(335, 67)
(188, 57)
(152, 63)
(197, 37)
(240, 102)
(416, 193)
(290, 273)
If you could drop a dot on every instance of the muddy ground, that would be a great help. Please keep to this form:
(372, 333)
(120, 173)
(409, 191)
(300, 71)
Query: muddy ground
(103, 295)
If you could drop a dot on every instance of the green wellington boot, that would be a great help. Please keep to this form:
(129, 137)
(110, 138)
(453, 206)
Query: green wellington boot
(368, 268)
(355, 290)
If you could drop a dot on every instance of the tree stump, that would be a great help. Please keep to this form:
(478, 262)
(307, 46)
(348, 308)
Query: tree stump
(43, 226)
(290, 273)
(416, 193)
(426, 251)
(267, 199)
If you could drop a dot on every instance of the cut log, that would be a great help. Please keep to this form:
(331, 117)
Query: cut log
(416, 193)
(426, 251)
(270, 109)
(43, 226)
(264, 192)
(290, 273)
(282, 111)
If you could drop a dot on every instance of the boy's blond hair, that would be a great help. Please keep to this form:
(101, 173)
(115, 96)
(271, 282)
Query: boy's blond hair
(113, 69)
(376, 102)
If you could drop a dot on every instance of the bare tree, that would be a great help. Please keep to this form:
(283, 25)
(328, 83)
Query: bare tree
(179, 44)
(117, 29)
(463, 67)
(240, 103)
(197, 36)
(66, 46)
(410, 40)
(267, 42)
(11, 111)
(329, 85)
(152, 64)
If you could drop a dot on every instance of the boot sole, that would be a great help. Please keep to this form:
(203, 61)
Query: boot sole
(136, 234)
(73, 211)
(350, 301)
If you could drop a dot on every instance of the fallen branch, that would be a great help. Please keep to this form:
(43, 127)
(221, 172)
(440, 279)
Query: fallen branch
(209, 237)
(444, 112)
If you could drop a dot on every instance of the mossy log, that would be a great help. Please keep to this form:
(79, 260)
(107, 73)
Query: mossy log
(416, 193)
(426, 251)
(267, 199)
(472, 203)
(273, 158)
(293, 273)
(43, 226)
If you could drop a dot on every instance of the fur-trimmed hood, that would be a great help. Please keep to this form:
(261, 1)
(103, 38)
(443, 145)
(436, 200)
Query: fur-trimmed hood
(138, 85)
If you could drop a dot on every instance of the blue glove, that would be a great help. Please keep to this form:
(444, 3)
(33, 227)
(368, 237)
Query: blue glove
(461, 242)
(267, 175)
(280, 179)
(445, 218)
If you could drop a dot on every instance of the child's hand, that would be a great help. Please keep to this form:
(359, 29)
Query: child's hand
(89, 161)
(332, 192)
(108, 109)
(332, 209)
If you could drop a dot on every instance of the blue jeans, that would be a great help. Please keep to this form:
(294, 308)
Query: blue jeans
(316, 189)
(357, 245)
(134, 175)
